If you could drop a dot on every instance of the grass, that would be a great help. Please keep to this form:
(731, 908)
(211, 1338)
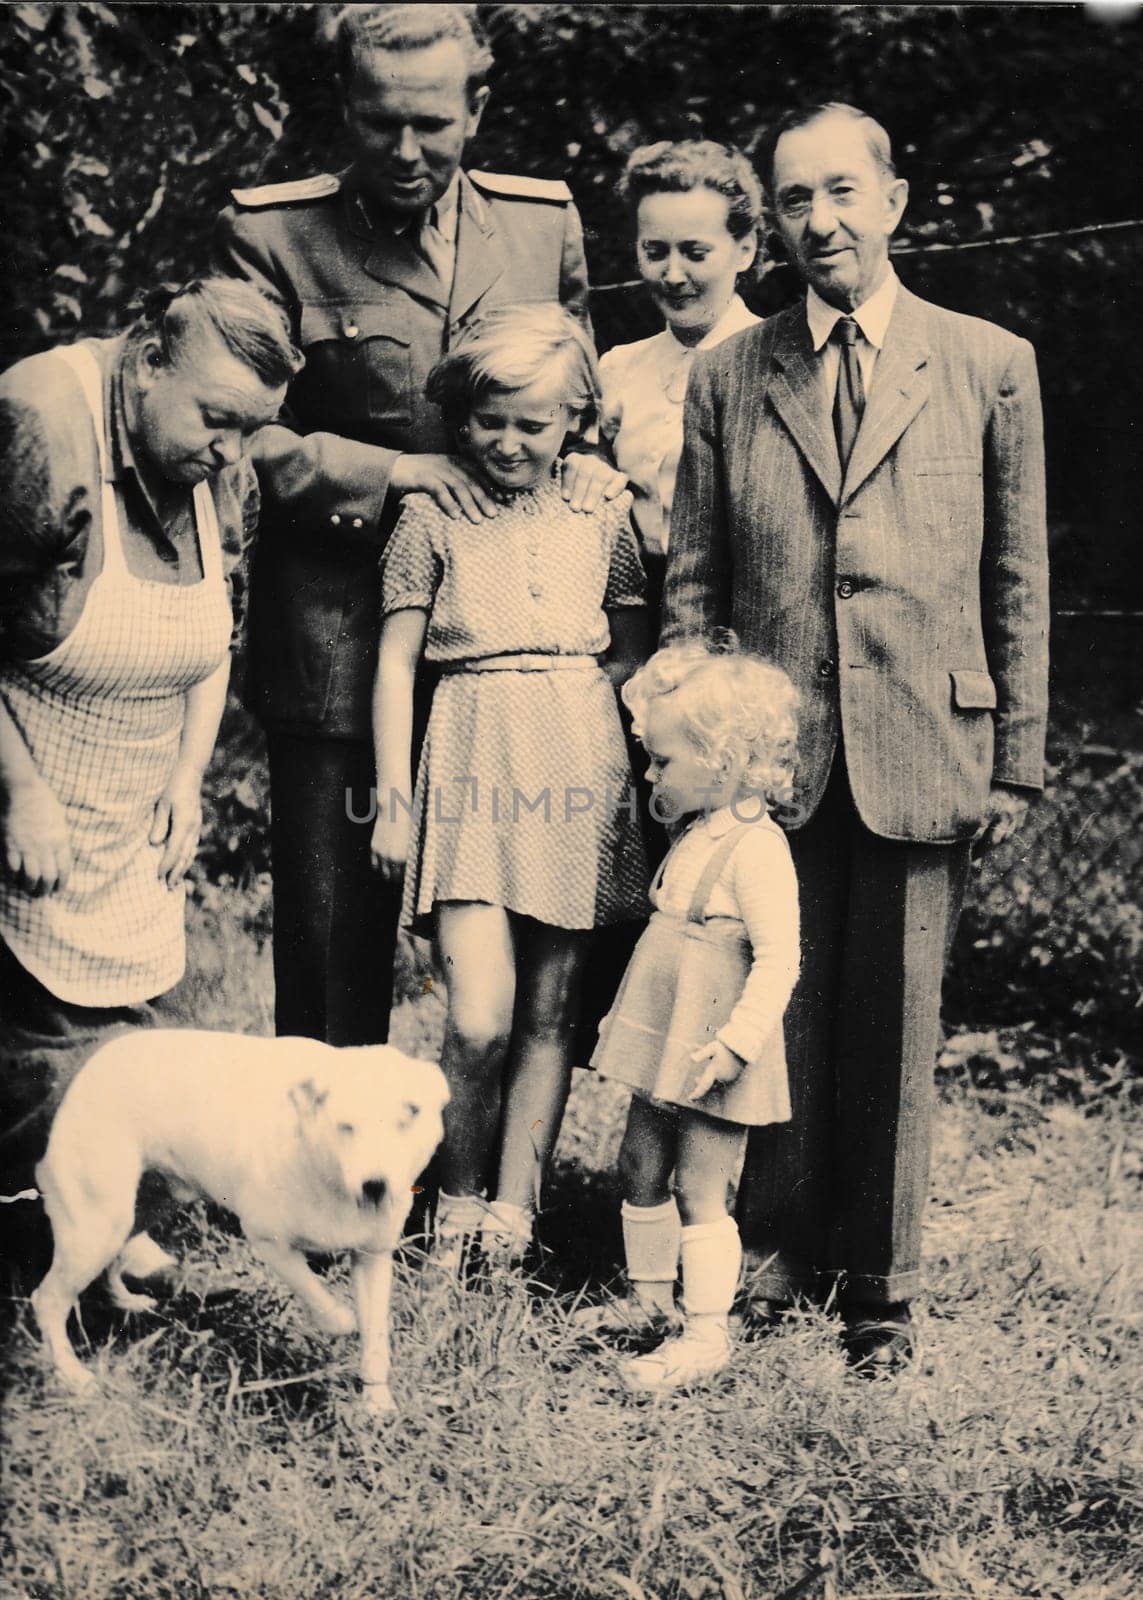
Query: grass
(225, 1455)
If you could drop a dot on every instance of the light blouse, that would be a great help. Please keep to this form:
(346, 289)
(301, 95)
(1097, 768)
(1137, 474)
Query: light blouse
(644, 386)
(537, 578)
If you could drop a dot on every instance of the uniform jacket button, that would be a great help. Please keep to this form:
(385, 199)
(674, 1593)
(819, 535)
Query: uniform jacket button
(335, 520)
(358, 522)
(351, 330)
(827, 669)
(845, 589)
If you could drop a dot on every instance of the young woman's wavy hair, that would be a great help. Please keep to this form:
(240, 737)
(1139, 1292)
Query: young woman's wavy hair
(678, 166)
(734, 707)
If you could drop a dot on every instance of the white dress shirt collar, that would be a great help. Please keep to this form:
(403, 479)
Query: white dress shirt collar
(872, 316)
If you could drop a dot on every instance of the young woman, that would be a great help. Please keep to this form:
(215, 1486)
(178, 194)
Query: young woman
(696, 207)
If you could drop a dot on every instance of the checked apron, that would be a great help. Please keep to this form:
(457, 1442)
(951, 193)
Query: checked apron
(683, 981)
(102, 715)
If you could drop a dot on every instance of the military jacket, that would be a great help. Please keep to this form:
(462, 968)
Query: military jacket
(372, 318)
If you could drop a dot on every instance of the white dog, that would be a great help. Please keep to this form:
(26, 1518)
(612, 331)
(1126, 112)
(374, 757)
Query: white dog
(313, 1148)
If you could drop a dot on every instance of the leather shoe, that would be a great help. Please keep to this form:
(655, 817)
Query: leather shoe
(880, 1342)
(763, 1317)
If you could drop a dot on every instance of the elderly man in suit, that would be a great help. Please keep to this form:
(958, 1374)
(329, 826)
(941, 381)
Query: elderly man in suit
(379, 269)
(861, 497)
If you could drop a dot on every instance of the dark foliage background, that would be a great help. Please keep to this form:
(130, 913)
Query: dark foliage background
(125, 125)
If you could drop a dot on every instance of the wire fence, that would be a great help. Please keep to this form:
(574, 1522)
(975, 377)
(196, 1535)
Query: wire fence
(1053, 927)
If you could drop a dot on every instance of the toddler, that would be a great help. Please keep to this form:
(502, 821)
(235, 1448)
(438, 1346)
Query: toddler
(696, 1027)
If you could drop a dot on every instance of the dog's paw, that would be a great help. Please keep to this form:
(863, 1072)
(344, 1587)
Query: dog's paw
(377, 1399)
(336, 1318)
(141, 1257)
(126, 1301)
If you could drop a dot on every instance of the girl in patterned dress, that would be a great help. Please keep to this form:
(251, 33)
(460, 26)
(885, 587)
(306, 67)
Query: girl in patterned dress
(522, 835)
(696, 1027)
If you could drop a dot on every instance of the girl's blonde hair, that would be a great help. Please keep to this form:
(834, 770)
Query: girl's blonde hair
(733, 707)
(511, 348)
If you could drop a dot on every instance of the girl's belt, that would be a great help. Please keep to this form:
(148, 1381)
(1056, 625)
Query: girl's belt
(520, 662)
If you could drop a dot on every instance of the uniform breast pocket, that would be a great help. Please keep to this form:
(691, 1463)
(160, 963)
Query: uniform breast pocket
(358, 371)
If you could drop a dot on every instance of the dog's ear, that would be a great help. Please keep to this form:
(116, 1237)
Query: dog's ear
(307, 1099)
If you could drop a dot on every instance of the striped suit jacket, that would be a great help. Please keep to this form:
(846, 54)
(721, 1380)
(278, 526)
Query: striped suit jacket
(909, 602)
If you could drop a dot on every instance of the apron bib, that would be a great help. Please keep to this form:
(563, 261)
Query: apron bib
(683, 981)
(102, 715)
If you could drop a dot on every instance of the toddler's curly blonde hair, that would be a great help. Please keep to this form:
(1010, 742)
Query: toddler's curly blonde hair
(733, 706)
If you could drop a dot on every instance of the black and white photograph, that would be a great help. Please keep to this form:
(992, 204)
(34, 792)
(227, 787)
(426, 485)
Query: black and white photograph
(571, 757)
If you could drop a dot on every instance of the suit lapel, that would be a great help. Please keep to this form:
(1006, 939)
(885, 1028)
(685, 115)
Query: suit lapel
(796, 394)
(901, 387)
(480, 257)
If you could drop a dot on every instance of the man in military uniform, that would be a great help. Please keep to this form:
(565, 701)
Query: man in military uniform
(379, 269)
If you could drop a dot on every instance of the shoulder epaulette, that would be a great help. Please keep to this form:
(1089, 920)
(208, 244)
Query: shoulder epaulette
(516, 187)
(319, 187)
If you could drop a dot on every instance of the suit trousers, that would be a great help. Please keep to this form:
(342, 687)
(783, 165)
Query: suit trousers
(836, 1196)
(335, 920)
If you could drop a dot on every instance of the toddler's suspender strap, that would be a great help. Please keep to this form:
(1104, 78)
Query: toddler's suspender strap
(713, 869)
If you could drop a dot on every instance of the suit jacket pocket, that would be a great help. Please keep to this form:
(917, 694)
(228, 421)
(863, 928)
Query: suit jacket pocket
(358, 377)
(973, 690)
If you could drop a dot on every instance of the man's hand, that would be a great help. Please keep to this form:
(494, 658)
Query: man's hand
(450, 481)
(389, 845)
(37, 847)
(177, 823)
(718, 1064)
(586, 481)
(1005, 811)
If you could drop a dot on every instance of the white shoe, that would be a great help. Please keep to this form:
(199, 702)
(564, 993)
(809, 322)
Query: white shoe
(506, 1233)
(697, 1354)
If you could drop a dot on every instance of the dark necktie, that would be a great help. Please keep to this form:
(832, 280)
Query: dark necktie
(849, 401)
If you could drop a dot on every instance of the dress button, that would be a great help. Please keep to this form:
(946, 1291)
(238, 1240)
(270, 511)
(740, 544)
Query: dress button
(358, 522)
(826, 669)
(335, 520)
(351, 330)
(845, 589)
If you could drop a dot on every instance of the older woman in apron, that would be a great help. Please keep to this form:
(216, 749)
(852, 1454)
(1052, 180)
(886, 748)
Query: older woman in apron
(125, 475)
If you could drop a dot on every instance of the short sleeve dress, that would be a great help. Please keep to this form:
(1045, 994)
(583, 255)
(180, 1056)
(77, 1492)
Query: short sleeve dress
(524, 796)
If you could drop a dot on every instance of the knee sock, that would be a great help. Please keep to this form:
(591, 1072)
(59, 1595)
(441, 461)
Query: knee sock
(459, 1214)
(712, 1258)
(651, 1246)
